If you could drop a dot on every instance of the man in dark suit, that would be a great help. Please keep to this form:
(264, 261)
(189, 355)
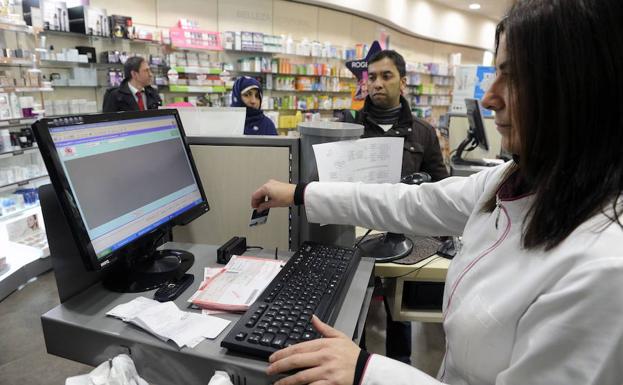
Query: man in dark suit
(135, 92)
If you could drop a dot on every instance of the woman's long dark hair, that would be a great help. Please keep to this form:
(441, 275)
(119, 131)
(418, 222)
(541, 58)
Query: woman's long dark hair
(566, 77)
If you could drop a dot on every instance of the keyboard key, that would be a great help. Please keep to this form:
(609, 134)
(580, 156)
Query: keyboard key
(308, 336)
(241, 336)
(254, 339)
(278, 341)
(267, 339)
(295, 336)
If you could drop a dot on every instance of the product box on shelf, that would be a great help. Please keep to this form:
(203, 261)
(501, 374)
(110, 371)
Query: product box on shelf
(27, 6)
(120, 26)
(88, 20)
(28, 230)
(54, 14)
(89, 52)
(246, 41)
(228, 39)
(5, 107)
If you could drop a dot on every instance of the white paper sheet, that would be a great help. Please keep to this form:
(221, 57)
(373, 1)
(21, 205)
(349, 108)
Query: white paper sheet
(370, 160)
(167, 322)
(213, 121)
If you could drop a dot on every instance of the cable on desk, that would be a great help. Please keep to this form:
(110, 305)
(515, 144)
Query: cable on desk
(356, 245)
(417, 269)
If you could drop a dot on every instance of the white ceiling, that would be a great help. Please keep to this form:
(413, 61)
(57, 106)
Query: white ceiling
(493, 9)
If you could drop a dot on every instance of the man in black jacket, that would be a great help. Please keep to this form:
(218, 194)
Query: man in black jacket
(135, 92)
(387, 113)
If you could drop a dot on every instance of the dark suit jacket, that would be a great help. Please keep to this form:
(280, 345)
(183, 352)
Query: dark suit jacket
(121, 99)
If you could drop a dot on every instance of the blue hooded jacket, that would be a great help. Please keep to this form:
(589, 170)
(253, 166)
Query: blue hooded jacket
(256, 123)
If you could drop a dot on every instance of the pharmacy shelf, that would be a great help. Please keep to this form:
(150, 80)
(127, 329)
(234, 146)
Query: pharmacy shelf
(80, 86)
(197, 70)
(430, 105)
(430, 74)
(22, 264)
(4, 123)
(95, 37)
(288, 74)
(16, 152)
(16, 28)
(429, 84)
(197, 89)
(19, 212)
(311, 91)
(23, 182)
(26, 89)
(281, 54)
(11, 61)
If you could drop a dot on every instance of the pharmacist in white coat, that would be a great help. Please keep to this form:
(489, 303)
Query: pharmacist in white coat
(536, 294)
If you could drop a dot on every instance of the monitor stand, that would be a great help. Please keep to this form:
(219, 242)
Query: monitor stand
(458, 159)
(387, 247)
(152, 270)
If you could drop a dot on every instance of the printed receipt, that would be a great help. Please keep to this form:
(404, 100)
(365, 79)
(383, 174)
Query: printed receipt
(370, 160)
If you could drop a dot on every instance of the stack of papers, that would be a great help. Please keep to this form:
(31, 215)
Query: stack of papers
(167, 322)
(237, 285)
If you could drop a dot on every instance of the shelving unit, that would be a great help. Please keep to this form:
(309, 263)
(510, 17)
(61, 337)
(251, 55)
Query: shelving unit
(23, 262)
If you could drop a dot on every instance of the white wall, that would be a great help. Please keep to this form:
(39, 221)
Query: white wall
(422, 18)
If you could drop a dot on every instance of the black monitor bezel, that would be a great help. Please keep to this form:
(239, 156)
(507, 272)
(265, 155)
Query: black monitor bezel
(473, 109)
(66, 198)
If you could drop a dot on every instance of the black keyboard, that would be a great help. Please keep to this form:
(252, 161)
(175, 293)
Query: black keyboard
(314, 281)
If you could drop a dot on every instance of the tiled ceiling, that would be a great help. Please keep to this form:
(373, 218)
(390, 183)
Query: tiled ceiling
(493, 9)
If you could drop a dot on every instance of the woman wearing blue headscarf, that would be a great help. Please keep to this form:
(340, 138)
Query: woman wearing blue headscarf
(247, 92)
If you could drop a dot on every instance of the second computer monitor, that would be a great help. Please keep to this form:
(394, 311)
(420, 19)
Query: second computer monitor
(476, 123)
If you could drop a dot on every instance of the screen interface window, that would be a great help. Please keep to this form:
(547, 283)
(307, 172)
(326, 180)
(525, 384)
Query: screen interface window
(128, 177)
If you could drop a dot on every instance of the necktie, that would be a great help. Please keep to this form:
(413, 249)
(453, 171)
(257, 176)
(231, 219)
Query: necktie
(141, 105)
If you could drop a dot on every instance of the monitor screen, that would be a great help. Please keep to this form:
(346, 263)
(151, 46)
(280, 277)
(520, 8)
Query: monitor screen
(476, 124)
(124, 175)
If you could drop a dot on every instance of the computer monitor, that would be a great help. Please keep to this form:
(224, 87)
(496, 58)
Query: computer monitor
(122, 181)
(476, 136)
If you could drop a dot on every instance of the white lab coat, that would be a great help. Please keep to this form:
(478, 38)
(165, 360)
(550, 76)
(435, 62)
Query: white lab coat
(511, 315)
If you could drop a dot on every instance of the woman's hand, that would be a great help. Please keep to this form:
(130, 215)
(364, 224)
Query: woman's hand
(273, 194)
(330, 360)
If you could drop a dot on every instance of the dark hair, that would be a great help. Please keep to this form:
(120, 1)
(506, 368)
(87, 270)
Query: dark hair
(132, 64)
(392, 55)
(565, 76)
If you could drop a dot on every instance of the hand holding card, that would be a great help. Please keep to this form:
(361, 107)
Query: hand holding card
(258, 217)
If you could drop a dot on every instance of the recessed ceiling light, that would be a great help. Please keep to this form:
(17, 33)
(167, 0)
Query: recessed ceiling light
(474, 6)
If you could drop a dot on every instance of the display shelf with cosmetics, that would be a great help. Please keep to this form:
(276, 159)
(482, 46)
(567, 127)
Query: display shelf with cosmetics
(22, 99)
